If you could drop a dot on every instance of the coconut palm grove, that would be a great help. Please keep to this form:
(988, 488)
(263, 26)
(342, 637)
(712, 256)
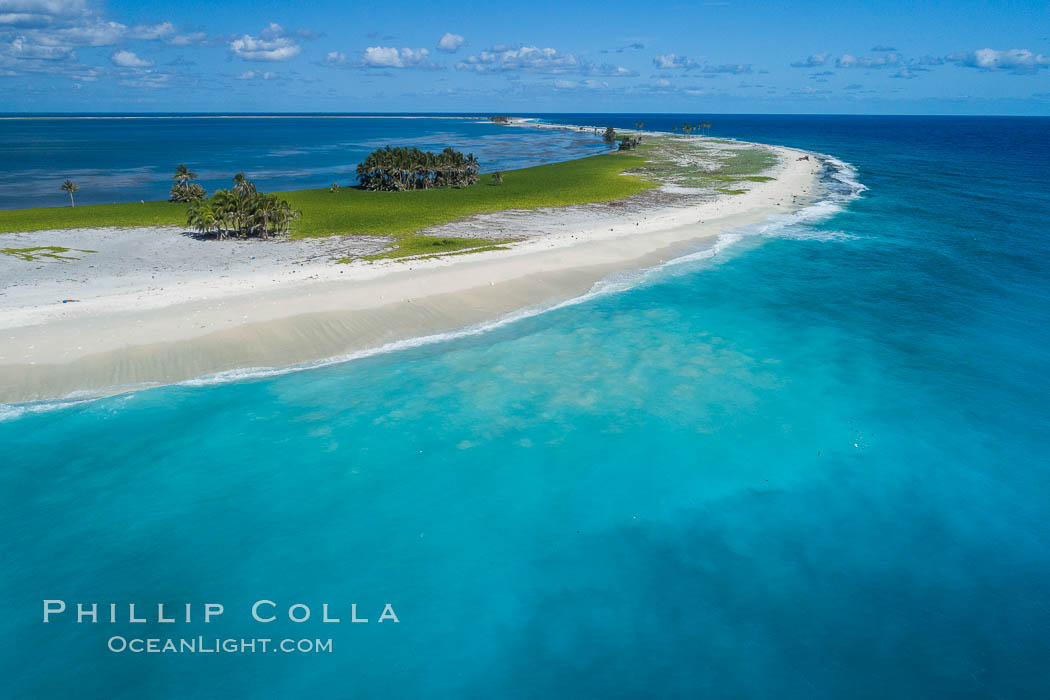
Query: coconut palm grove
(403, 168)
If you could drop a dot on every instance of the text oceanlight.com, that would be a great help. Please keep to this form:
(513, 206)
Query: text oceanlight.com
(201, 645)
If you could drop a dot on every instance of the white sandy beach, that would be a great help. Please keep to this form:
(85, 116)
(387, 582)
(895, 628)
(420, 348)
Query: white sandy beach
(159, 306)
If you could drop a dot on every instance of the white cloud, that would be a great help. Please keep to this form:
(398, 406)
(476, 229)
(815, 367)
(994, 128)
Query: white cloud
(529, 59)
(610, 71)
(814, 60)
(38, 14)
(673, 60)
(95, 32)
(253, 75)
(127, 59)
(1014, 60)
(390, 57)
(23, 48)
(152, 31)
(192, 39)
(335, 58)
(580, 84)
(24, 20)
(44, 7)
(851, 61)
(450, 42)
(272, 44)
(146, 79)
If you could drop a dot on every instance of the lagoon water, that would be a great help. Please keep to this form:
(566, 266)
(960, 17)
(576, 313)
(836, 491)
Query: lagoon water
(810, 466)
(132, 157)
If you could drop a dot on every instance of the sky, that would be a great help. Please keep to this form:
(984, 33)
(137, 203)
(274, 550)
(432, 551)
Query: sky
(732, 56)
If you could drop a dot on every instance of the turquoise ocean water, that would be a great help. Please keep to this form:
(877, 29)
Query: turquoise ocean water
(812, 465)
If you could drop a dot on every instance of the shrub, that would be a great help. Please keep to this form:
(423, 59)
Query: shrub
(186, 192)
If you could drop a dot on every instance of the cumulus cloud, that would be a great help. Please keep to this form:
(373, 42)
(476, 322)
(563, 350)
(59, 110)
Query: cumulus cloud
(673, 60)
(847, 60)
(24, 49)
(152, 31)
(96, 32)
(610, 71)
(28, 14)
(272, 44)
(850, 61)
(527, 59)
(450, 42)
(127, 59)
(1013, 60)
(335, 58)
(191, 39)
(812, 61)
(41, 35)
(390, 57)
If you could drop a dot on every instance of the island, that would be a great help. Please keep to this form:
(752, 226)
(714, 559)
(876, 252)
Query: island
(168, 291)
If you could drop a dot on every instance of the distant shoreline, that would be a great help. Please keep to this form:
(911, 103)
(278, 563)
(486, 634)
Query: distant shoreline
(239, 116)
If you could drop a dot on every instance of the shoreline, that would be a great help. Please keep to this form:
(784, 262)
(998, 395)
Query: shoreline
(169, 330)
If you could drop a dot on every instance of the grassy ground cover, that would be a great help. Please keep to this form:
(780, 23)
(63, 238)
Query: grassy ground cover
(353, 211)
(47, 253)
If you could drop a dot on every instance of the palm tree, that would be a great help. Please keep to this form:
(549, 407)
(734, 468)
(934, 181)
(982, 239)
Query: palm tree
(202, 216)
(403, 168)
(183, 190)
(183, 175)
(69, 187)
(225, 205)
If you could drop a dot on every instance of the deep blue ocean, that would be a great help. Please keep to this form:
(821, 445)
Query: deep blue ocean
(813, 465)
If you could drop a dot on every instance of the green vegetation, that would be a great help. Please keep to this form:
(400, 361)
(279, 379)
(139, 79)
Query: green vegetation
(610, 135)
(705, 165)
(126, 215)
(351, 210)
(419, 202)
(242, 211)
(45, 253)
(70, 187)
(500, 119)
(402, 168)
(184, 190)
(687, 128)
(747, 161)
(629, 143)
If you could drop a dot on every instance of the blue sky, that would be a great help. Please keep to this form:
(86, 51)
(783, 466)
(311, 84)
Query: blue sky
(717, 56)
